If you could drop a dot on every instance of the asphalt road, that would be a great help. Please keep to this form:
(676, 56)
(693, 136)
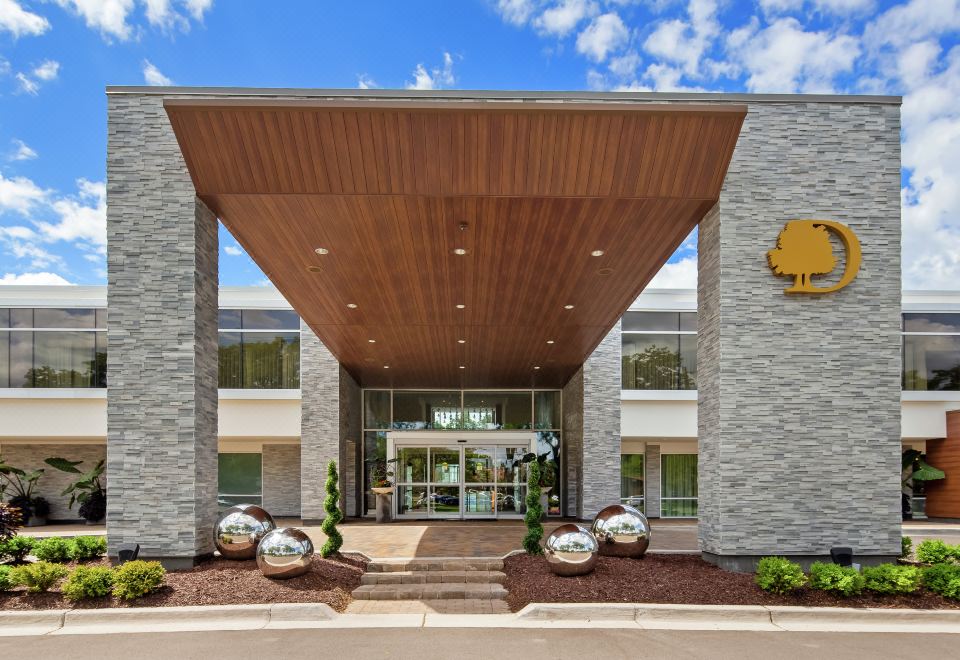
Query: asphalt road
(502, 644)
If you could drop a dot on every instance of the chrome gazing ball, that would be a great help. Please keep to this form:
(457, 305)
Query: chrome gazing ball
(285, 553)
(571, 550)
(239, 529)
(621, 531)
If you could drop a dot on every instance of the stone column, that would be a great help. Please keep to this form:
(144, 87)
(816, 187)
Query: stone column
(319, 422)
(799, 395)
(162, 341)
(651, 482)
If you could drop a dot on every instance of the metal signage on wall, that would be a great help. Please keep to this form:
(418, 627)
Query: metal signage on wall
(804, 249)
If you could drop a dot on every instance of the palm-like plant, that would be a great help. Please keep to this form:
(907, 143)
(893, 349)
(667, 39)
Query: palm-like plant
(88, 488)
(22, 485)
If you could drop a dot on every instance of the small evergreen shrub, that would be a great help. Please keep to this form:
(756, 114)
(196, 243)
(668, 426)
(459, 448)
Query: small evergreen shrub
(934, 551)
(906, 546)
(17, 548)
(137, 578)
(6, 579)
(531, 542)
(88, 582)
(844, 580)
(54, 549)
(892, 579)
(779, 575)
(331, 504)
(38, 576)
(943, 579)
(85, 548)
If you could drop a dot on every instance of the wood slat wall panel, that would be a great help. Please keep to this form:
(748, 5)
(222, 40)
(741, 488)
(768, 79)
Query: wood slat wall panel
(943, 496)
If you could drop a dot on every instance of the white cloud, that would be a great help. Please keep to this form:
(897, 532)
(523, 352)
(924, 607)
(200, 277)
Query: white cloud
(20, 195)
(29, 83)
(913, 21)
(233, 250)
(34, 279)
(435, 78)
(604, 34)
(109, 17)
(364, 81)
(22, 151)
(26, 85)
(684, 43)
(153, 76)
(783, 57)
(19, 22)
(82, 219)
(197, 8)
(625, 66)
(162, 14)
(516, 12)
(771, 7)
(680, 274)
(840, 7)
(560, 19)
(47, 71)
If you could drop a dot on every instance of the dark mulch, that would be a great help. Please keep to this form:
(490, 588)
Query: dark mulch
(685, 579)
(221, 582)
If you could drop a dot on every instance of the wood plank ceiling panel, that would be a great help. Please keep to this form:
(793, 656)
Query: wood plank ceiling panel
(391, 190)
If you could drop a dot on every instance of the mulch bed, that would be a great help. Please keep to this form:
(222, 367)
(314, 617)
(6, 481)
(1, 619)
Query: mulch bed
(220, 582)
(684, 579)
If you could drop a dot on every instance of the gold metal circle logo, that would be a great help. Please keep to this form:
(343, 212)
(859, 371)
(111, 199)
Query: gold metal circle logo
(803, 250)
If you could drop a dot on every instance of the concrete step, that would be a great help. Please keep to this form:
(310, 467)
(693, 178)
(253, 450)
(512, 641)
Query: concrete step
(432, 577)
(418, 565)
(430, 591)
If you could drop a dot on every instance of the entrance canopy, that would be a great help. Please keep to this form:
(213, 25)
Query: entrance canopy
(454, 243)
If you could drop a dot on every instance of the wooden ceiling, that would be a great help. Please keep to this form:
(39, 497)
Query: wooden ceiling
(391, 189)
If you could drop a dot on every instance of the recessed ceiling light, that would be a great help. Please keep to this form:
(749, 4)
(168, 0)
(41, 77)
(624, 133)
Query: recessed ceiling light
(372, 341)
(352, 305)
(461, 306)
(549, 341)
(462, 367)
(460, 251)
(535, 368)
(369, 359)
(322, 251)
(604, 271)
(596, 253)
(314, 269)
(568, 306)
(386, 366)
(461, 341)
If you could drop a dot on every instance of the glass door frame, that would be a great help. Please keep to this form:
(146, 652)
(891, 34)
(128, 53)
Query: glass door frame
(453, 440)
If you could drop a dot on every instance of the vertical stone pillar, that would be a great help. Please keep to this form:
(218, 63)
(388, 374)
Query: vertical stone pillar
(162, 341)
(572, 447)
(319, 421)
(651, 466)
(351, 437)
(799, 395)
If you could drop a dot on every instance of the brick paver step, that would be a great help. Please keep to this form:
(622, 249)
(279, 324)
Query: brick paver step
(430, 591)
(424, 577)
(465, 606)
(454, 564)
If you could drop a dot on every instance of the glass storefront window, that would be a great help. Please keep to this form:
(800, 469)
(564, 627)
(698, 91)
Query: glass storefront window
(240, 479)
(271, 360)
(426, 410)
(496, 410)
(546, 409)
(932, 322)
(53, 347)
(687, 379)
(631, 480)
(376, 409)
(650, 362)
(931, 362)
(678, 486)
(64, 359)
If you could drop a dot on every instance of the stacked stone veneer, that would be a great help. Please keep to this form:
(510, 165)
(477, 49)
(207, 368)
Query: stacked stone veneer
(351, 435)
(162, 338)
(799, 395)
(53, 482)
(319, 421)
(281, 480)
(651, 467)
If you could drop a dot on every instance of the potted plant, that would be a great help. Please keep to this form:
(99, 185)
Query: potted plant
(381, 483)
(33, 510)
(914, 468)
(87, 489)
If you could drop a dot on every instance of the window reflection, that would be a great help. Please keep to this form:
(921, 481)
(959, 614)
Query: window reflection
(931, 362)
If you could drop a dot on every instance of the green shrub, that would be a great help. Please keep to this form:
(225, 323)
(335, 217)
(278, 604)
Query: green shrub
(38, 576)
(85, 548)
(845, 580)
(779, 575)
(906, 546)
(88, 582)
(137, 578)
(531, 541)
(53, 549)
(943, 579)
(6, 579)
(892, 579)
(934, 551)
(331, 505)
(17, 548)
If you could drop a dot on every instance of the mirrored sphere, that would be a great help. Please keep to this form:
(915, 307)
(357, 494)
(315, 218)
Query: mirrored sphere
(571, 550)
(621, 531)
(239, 529)
(285, 553)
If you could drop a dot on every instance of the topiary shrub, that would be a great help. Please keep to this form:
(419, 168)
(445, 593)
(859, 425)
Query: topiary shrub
(16, 548)
(844, 580)
(6, 579)
(53, 549)
(38, 576)
(331, 504)
(779, 575)
(88, 582)
(137, 578)
(906, 547)
(531, 542)
(934, 551)
(892, 579)
(943, 579)
(85, 548)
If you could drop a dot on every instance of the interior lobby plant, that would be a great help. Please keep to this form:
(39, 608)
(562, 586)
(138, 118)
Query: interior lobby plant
(87, 489)
(33, 510)
(381, 476)
(913, 468)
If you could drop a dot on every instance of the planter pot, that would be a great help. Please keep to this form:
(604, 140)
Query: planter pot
(384, 505)
(383, 490)
(36, 522)
(545, 499)
(94, 522)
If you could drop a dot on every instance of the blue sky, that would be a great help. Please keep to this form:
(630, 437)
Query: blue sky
(57, 56)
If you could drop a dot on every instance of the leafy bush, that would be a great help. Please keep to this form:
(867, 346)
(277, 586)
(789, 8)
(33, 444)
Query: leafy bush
(88, 582)
(17, 547)
(85, 548)
(137, 578)
(892, 579)
(53, 549)
(38, 576)
(779, 575)
(10, 521)
(531, 542)
(331, 505)
(906, 546)
(943, 579)
(934, 551)
(845, 580)
(6, 579)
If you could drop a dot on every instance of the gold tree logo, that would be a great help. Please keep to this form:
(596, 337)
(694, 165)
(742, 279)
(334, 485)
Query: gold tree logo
(804, 249)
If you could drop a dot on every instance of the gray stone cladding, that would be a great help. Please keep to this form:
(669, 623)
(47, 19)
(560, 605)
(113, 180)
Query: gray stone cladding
(601, 425)
(162, 339)
(281, 480)
(651, 481)
(572, 448)
(799, 395)
(351, 435)
(31, 456)
(319, 421)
